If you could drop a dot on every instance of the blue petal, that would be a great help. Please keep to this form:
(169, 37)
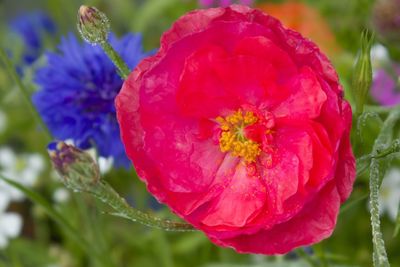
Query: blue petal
(77, 91)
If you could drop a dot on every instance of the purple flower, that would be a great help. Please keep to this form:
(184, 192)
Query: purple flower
(78, 86)
(386, 85)
(223, 3)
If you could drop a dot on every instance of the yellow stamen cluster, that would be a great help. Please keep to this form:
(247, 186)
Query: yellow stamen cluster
(232, 137)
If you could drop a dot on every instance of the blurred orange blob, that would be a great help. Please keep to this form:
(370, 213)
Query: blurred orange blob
(306, 20)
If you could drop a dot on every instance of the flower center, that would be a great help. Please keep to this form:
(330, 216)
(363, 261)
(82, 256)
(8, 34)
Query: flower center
(233, 138)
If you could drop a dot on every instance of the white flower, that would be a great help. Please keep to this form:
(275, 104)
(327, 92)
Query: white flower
(24, 169)
(3, 121)
(389, 195)
(105, 164)
(61, 195)
(10, 222)
(379, 55)
(10, 227)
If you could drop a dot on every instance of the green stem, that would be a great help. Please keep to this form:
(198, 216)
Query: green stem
(393, 148)
(122, 67)
(378, 109)
(108, 195)
(385, 136)
(23, 90)
(379, 251)
(362, 162)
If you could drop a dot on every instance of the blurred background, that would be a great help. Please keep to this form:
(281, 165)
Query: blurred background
(41, 39)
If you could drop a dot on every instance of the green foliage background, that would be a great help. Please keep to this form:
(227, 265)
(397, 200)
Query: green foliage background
(117, 242)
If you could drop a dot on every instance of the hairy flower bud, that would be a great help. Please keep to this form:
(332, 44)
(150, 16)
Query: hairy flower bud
(78, 169)
(93, 25)
(362, 76)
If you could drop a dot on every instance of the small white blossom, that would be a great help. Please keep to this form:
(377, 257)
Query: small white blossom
(10, 222)
(105, 164)
(61, 195)
(10, 227)
(389, 195)
(379, 54)
(24, 169)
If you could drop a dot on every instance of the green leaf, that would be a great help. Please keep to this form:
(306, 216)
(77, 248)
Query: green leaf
(56, 216)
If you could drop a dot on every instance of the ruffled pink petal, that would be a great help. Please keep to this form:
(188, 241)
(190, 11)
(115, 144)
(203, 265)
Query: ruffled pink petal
(146, 164)
(346, 171)
(202, 91)
(282, 179)
(297, 140)
(331, 115)
(315, 222)
(214, 82)
(241, 200)
(132, 135)
(306, 99)
(162, 79)
(262, 47)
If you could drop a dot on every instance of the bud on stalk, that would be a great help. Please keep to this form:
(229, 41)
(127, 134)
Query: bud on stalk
(78, 169)
(94, 27)
(80, 173)
(362, 76)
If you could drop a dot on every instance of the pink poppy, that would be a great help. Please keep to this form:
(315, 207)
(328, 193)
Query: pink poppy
(239, 125)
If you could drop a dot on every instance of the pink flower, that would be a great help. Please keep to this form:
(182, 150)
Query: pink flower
(240, 127)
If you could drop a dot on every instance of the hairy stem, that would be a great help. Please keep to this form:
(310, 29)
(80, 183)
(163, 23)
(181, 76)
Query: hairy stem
(122, 67)
(108, 195)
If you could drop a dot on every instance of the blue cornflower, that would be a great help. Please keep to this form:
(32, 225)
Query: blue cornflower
(31, 28)
(78, 87)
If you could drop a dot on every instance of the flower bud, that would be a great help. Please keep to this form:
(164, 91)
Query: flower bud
(93, 25)
(362, 76)
(78, 169)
